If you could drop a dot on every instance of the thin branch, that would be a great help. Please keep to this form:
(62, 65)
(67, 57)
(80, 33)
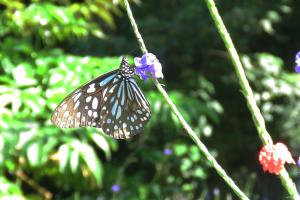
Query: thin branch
(185, 125)
(247, 91)
(22, 176)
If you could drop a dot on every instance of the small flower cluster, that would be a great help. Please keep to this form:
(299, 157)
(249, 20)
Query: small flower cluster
(273, 157)
(147, 65)
(297, 60)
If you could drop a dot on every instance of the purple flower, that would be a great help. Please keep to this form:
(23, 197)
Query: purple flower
(147, 65)
(168, 151)
(115, 188)
(297, 60)
(297, 68)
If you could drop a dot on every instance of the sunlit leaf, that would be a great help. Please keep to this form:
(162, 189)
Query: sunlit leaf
(63, 157)
(74, 160)
(34, 154)
(180, 149)
(91, 160)
(102, 143)
(1, 150)
(25, 137)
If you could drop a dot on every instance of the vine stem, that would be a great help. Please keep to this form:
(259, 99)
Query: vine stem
(247, 91)
(24, 177)
(185, 125)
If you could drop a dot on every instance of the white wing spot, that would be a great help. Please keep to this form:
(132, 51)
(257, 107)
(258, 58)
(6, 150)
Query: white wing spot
(94, 124)
(86, 107)
(139, 111)
(108, 121)
(90, 112)
(76, 104)
(66, 114)
(88, 99)
(115, 127)
(76, 97)
(104, 92)
(78, 114)
(112, 89)
(131, 128)
(124, 125)
(95, 114)
(64, 107)
(118, 113)
(91, 88)
(95, 103)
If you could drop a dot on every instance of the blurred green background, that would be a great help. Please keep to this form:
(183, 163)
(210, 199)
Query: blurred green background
(49, 48)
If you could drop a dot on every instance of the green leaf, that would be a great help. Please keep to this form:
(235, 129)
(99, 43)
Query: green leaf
(1, 150)
(200, 173)
(92, 162)
(25, 137)
(102, 144)
(180, 149)
(63, 157)
(22, 77)
(34, 154)
(185, 165)
(74, 160)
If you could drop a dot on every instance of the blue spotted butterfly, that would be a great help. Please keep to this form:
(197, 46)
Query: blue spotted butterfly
(112, 102)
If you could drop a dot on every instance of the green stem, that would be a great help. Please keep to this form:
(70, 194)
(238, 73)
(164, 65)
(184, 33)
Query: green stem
(185, 125)
(247, 91)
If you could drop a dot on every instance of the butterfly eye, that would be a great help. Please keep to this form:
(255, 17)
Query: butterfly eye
(112, 102)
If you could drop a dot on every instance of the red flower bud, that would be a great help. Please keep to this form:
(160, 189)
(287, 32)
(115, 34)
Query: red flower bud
(273, 157)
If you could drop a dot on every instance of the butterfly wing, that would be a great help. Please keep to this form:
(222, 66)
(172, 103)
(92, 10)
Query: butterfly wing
(126, 112)
(82, 106)
(111, 102)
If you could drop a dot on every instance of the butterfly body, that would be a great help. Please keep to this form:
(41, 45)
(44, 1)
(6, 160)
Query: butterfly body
(112, 102)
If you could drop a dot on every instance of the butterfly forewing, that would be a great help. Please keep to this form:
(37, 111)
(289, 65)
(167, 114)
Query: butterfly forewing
(112, 102)
(78, 109)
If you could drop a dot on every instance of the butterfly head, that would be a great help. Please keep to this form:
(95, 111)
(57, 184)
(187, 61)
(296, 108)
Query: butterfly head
(125, 69)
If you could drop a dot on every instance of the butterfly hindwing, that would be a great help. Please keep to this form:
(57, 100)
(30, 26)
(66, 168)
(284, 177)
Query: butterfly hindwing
(126, 113)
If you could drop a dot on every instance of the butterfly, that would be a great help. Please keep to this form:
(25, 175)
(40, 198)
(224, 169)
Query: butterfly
(112, 102)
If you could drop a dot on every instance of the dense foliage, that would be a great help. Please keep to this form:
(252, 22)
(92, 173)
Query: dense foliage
(49, 48)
